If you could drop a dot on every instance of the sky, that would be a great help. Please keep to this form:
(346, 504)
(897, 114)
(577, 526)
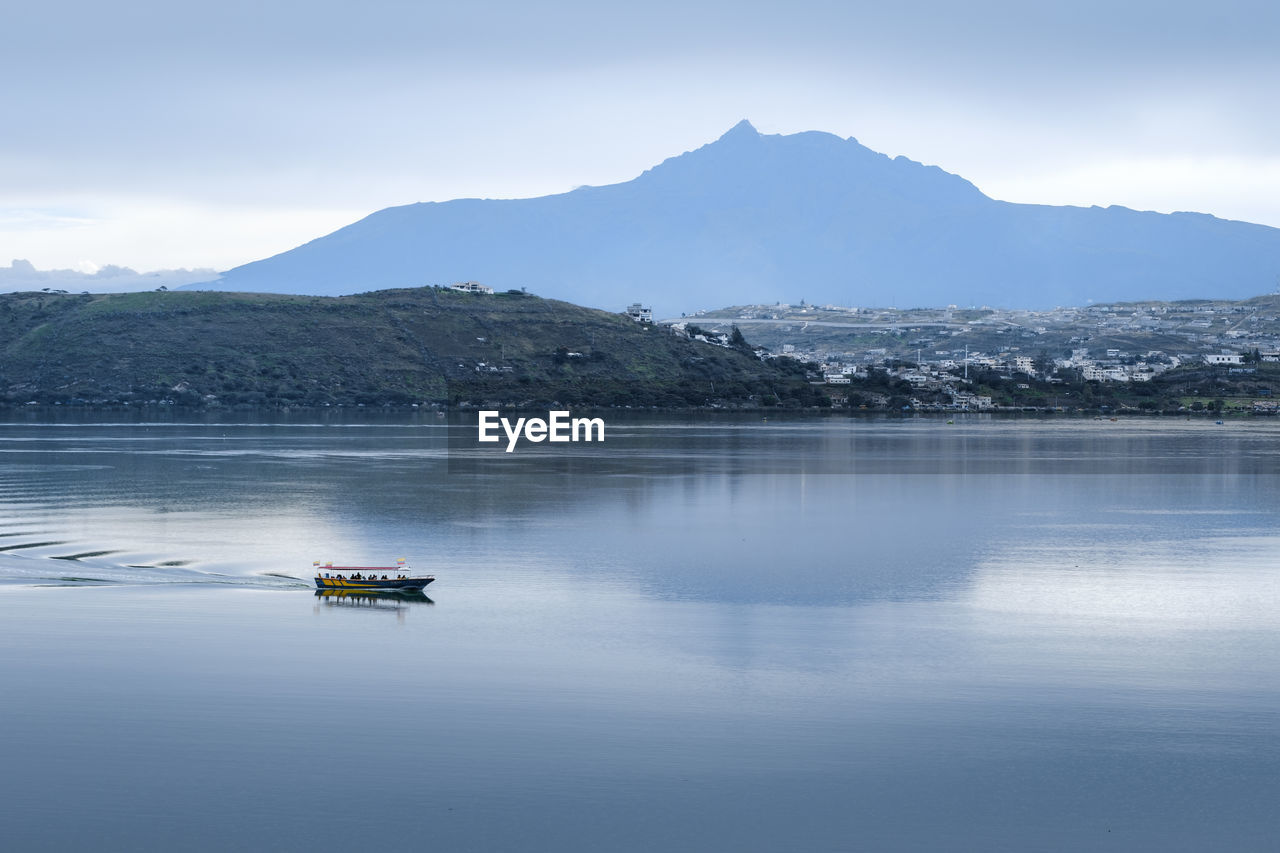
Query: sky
(156, 134)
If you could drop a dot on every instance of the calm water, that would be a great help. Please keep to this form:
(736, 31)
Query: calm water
(703, 635)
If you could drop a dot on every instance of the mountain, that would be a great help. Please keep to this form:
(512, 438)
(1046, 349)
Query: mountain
(754, 218)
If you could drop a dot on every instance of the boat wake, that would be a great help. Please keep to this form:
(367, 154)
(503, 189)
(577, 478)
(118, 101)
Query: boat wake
(95, 568)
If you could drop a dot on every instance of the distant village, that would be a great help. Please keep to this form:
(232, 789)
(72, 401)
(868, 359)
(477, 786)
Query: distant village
(940, 350)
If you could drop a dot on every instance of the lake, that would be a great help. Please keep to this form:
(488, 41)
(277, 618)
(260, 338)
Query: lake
(703, 634)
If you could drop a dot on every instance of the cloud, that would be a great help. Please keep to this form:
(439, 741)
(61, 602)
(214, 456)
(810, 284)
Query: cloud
(276, 108)
(34, 219)
(22, 275)
(157, 233)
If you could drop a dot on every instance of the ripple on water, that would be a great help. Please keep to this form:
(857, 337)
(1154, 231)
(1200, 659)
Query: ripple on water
(83, 555)
(23, 568)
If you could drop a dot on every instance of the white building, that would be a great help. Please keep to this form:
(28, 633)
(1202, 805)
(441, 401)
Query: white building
(471, 287)
(1105, 374)
(639, 313)
(965, 400)
(1223, 358)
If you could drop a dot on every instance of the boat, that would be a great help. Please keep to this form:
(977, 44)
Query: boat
(395, 578)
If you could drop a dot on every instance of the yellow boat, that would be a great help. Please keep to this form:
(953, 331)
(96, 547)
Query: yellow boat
(386, 578)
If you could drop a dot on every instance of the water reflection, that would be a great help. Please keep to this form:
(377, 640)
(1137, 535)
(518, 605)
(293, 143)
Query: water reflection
(986, 636)
(817, 512)
(386, 601)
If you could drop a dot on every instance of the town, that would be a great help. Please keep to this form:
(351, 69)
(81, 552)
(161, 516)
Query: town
(946, 356)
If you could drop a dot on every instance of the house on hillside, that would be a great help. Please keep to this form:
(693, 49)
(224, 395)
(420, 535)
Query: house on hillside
(471, 287)
(639, 313)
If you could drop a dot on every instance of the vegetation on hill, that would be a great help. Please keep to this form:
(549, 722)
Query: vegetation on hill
(394, 347)
(1192, 388)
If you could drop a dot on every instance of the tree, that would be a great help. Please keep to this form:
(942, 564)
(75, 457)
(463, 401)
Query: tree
(1042, 363)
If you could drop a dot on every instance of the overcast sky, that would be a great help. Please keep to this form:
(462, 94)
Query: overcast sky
(161, 134)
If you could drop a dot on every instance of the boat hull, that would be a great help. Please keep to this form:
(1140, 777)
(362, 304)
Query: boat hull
(404, 584)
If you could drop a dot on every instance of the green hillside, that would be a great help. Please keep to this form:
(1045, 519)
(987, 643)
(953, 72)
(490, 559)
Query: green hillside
(393, 347)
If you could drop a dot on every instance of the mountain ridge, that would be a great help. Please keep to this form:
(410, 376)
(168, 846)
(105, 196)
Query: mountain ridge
(405, 347)
(752, 217)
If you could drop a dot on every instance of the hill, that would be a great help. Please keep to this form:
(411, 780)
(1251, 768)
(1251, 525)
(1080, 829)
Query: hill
(397, 347)
(754, 218)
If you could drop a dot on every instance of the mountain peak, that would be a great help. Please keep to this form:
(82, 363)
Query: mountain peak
(742, 130)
